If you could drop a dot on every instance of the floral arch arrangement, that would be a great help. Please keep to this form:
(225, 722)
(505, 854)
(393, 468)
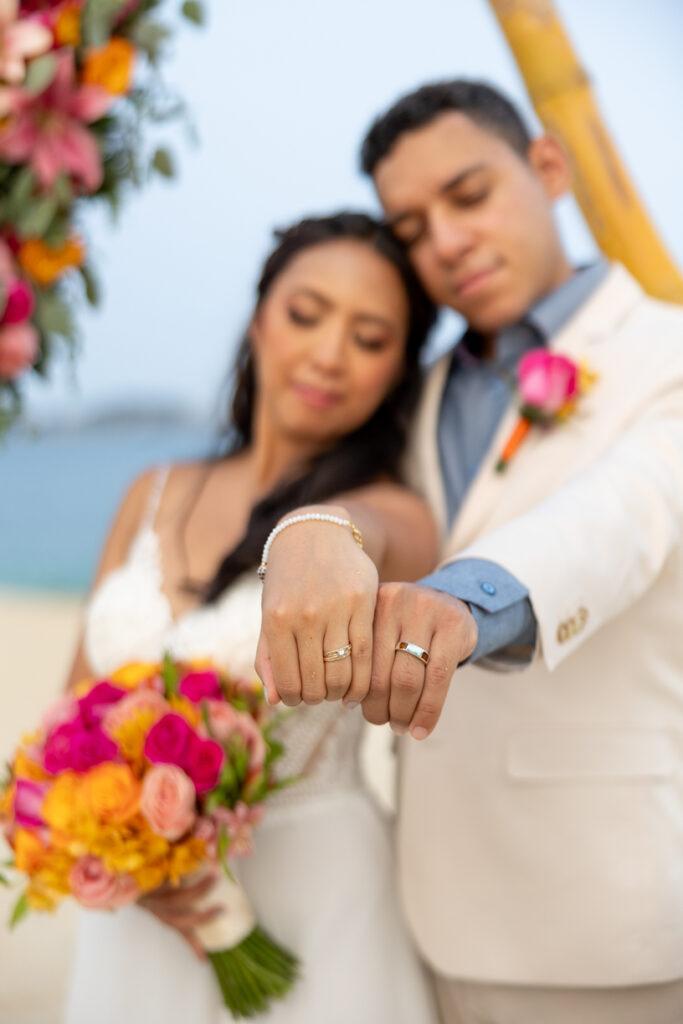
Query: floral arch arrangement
(79, 81)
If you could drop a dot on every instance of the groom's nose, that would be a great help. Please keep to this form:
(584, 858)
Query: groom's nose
(450, 238)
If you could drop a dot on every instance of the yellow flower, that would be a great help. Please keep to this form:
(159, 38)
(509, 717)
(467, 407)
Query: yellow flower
(7, 800)
(131, 735)
(29, 852)
(185, 857)
(26, 768)
(189, 711)
(46, 264)
(112, 792)
(132, 675)
(68, 25)
(110, 66)
(64, 808)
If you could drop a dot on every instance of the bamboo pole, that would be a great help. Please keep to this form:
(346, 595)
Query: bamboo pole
(561, 94)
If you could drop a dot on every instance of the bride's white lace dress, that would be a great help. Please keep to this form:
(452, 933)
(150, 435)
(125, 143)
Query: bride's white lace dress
(321, 879)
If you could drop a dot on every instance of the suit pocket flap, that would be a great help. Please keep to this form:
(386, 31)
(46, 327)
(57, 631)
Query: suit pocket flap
(590, 754)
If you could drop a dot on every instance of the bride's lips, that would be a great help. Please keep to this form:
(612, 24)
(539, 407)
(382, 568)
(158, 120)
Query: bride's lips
(317, 398)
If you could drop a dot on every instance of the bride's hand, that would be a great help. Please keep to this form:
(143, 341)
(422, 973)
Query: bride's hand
(319, 595)
(176, 906)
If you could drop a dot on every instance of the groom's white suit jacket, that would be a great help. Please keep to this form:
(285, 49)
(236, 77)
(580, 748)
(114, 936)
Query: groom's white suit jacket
(541, 825)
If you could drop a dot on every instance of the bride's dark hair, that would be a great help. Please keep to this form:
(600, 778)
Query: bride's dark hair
(370, 452)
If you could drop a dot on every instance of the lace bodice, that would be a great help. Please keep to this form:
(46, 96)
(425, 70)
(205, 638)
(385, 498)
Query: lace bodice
(129, 618)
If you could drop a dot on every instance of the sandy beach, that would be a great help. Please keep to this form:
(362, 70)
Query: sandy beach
(38, 636)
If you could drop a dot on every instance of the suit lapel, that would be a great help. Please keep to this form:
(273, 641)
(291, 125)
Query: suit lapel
(599, 316)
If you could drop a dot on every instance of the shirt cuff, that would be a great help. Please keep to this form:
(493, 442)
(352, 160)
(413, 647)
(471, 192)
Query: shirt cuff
(501, 608)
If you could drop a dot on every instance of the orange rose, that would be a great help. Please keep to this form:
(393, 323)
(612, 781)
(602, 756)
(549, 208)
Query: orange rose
(63, 804)
(46, 264)
(110, 66)
(112, 792)
(68, 25)
(29, 852)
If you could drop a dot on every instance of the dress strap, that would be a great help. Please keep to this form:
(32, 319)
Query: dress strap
(154, 497)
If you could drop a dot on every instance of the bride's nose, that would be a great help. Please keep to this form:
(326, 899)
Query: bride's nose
(328, 352)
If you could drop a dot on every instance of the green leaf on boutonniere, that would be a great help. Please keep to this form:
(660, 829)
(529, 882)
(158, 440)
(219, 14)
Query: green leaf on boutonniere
(169, 675)
(53, 315)
(97, 20)
(39, 73)
(150, 37)
(19, 911)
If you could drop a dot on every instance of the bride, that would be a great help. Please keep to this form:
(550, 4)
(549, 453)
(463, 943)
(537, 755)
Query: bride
(327, 376)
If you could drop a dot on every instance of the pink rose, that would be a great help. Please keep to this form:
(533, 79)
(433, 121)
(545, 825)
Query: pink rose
(71, 746)
(28, 802)
(546, 381)
(95, 703)
(204, 762)
(19, 302)
(142, 700)
(223, 719)
(19, 347)
(168, 741)
(198, 686)
(95, 887)
(168, 801)
(226, 722)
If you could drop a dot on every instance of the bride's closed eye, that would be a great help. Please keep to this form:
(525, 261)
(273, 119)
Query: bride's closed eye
(302, 319)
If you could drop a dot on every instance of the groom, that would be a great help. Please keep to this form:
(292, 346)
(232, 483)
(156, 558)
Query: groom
(541, 821)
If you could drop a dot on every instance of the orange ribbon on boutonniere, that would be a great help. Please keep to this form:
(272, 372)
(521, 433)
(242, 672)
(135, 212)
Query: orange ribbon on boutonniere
(549, 387)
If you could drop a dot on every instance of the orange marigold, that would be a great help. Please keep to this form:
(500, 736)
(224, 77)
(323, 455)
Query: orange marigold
(110, 66)
(132, 675)
(112, 792)
(45, 264)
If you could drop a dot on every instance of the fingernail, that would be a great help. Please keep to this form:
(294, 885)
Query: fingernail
(351, 705)
(419, 733)
(400, 730)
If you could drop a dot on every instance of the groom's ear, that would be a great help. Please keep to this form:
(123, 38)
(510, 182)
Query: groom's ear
(550, 162)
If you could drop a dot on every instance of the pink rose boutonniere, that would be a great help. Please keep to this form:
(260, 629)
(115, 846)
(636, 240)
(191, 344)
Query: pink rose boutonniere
(549, 386)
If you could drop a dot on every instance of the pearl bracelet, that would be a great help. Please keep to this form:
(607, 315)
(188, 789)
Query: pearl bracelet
(320, 517)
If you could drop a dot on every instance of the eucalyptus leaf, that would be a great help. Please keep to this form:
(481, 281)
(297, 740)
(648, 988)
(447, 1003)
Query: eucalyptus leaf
(53, 315)
(193, 11)
(19, 911)
(150, 37)
(162, 162)
(97, 20)
(37, 216)
(20, 192)
(39, 73)
(92, 288)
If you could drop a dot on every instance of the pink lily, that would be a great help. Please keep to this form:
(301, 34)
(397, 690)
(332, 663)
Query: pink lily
(47, 130)
(20, 39)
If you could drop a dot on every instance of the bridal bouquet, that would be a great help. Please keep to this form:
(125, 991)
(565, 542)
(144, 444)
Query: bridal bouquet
(144, 778)
(79, 82)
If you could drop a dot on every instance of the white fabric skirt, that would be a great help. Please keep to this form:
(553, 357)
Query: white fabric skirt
(321, 881)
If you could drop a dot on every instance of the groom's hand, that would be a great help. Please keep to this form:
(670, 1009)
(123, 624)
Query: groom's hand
(403, 689)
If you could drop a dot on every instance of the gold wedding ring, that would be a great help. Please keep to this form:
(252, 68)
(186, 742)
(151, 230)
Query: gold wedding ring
(339, 654)
(414, 650)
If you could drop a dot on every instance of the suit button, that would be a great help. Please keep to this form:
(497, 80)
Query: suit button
(488, 588)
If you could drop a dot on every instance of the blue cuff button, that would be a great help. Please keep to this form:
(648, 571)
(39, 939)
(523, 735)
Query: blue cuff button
(488, 588)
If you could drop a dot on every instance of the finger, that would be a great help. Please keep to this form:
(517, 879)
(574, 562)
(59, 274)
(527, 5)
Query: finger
(360, 635)
(195, 945)
(337, 673)
(284, 660)
(385, 636)
(264, 670)
(180, 895)
(183, 920)
(407, 680)
(439, 673)
(309, 644)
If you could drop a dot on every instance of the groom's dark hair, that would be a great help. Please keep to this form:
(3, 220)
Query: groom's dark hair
(483, 104)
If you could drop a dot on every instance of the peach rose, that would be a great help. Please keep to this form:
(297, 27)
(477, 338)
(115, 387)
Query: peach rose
(168, 801)
(225, 722)
(95, 887)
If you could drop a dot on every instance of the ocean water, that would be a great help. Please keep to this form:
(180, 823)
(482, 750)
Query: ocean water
(59, 492)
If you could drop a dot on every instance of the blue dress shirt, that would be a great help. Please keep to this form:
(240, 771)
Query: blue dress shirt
(475, 398)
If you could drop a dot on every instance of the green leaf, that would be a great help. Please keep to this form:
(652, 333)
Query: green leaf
(162, 163)
(97, 20)
(20, 911)
(37, 217)
(4, 880)
(223, 845)
(63, 190)
(193, 11)
(40, 73)
(169, 674)
(150, 37)
(3, 298)
(20, 193)
(92, 288)
(53, 315)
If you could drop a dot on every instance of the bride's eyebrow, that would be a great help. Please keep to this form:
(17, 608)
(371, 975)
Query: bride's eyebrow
(375, 318)
(311, 293)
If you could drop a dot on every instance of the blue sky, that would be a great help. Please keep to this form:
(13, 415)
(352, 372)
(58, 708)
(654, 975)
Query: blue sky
(281, 92)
